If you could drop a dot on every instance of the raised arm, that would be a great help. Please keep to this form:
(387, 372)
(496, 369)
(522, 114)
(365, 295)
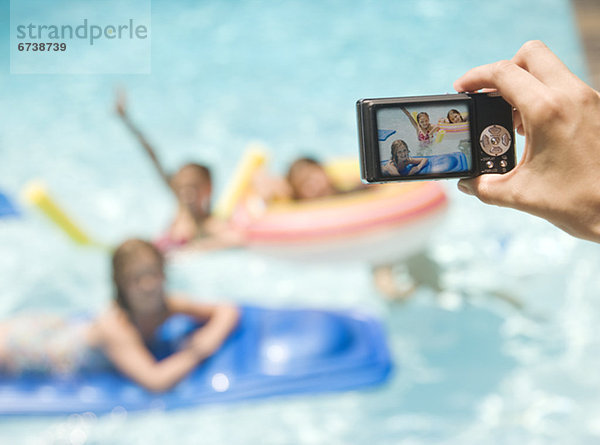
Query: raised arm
(122, 112)
(410, 118)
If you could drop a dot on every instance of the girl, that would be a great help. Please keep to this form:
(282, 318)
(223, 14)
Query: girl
(124, 332)
(453, 117)
(425, 130)
(193, 225)
(308, 180)
(401, 164)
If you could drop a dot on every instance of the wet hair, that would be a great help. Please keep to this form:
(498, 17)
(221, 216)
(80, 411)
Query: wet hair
(396, 146)
(126, 253)
(292, 171)
(462, 119)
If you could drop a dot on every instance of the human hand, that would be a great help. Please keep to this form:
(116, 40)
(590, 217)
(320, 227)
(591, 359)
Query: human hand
(559, 115)
(269, 187)
(413, 171)
(203, 344)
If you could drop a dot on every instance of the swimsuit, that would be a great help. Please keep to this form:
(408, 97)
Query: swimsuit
(165, 243)
(49, 344)
(424, 138)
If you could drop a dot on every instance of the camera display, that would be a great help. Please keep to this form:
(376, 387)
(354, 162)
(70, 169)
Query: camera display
(434, 137)
(424, 139)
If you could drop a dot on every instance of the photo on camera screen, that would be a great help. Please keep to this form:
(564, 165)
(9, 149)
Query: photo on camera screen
(424, 139)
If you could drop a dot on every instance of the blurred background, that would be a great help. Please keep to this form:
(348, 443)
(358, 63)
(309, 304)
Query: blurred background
(507, 352)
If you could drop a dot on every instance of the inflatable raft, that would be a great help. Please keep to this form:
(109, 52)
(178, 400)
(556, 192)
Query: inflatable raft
(446, 163)
(272, 352)
(460, 127)
(382, 224)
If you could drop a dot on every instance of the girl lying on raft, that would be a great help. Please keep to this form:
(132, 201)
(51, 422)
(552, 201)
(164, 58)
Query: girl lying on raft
(192, 187)
(400, 163)
(123, 333)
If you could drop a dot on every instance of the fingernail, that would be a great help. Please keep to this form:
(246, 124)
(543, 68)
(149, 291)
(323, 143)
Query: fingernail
(463, 188)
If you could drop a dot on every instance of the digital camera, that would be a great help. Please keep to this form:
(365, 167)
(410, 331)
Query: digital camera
(435, 137)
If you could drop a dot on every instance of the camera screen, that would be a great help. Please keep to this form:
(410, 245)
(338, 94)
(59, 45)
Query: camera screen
(428, 138)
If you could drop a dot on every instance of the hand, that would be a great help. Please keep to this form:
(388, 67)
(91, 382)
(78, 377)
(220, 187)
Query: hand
(413, 171)
(203, 344)
(559, 115)
(270, 187)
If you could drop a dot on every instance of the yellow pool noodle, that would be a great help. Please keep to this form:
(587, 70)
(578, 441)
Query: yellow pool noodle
(35, 193)
(440, 136)
(254, 157)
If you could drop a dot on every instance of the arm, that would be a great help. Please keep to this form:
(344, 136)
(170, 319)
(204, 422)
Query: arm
(122, 112)
(434, 129)
(389, 169)
(410, 118)
(559, 115)
(270, 188)
(125, 349)
(220, 320)
(420, 164)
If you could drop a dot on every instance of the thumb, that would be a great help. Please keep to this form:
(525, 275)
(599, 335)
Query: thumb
(490, 189)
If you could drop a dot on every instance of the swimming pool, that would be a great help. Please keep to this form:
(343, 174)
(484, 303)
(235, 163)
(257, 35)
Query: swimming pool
(471, 367)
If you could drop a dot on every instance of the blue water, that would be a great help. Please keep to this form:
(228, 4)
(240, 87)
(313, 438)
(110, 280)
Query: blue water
(472, 367)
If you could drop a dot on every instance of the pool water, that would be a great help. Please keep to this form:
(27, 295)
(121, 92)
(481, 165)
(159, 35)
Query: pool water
(506, 353)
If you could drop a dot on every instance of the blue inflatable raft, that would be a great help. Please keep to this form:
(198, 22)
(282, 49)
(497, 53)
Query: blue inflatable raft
(272, 352)
(446, 163)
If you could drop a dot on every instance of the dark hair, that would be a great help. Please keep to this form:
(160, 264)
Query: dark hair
(124, 254)
(462, 119)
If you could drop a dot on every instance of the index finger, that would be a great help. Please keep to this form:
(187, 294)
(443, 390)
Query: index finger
(515, 84)
(535, 57)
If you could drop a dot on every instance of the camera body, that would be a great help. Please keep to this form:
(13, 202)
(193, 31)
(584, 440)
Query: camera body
(435, 137)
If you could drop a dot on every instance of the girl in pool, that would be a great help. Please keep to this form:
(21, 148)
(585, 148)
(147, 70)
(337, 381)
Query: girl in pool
(453, 117)
(425, 130)
(401, 164)
(192, 187)
(306, 179)
(123, 333)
